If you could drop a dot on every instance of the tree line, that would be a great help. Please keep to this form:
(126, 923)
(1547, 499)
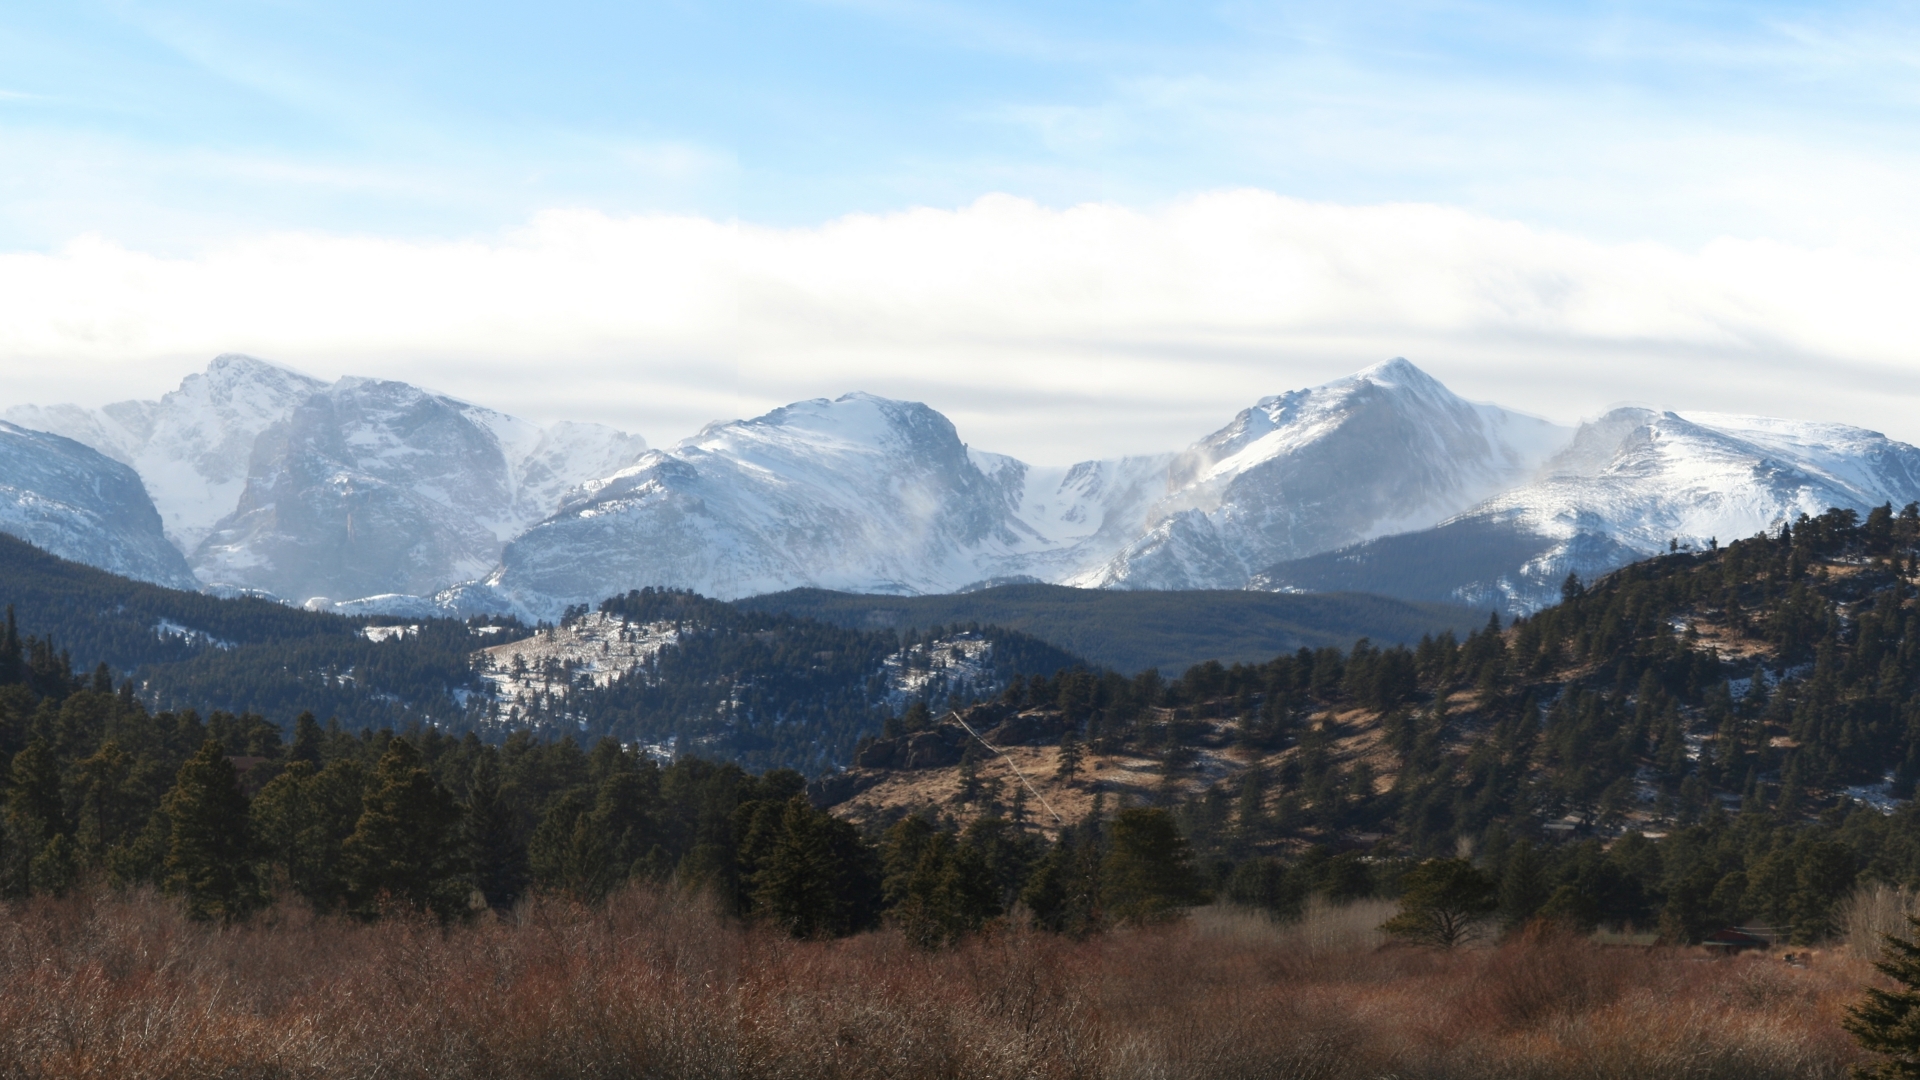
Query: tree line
(231, 813)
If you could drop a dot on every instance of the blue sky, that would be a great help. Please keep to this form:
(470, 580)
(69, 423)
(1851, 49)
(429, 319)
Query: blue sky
(168, 125)
(183, 133)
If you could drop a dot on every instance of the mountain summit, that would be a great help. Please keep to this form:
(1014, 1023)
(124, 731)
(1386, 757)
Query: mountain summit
(1382, 451)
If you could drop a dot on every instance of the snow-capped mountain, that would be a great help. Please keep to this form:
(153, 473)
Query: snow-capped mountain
(372, 487)
(191, 447)
(859, 493)
(870, 495)
(1383, 451)
(388, 498)
(79, 504)
(271, 480)
(1631, 484)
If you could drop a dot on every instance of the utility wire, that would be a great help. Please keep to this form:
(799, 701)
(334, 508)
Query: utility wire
(1016, 769)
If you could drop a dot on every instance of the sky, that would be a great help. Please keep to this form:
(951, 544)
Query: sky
(1077, 229)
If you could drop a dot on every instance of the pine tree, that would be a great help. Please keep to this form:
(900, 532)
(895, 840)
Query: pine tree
(209, 850)
(302, 820)
(950, 893)
(1148, 873)
(12, 665)
(1887, 1022)
(406, 847)
(306, 741)
(495, 851)
(818, 880)
(1069, 767)
(35, 814)
(1445, 903)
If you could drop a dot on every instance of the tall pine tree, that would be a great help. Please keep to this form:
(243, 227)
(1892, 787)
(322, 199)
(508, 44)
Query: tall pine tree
(406, 847)
(209, 848)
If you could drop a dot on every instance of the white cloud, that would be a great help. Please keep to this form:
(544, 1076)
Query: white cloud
(1045, 333)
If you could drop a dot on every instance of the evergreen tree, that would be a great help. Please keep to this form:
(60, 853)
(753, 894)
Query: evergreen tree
(307, 741)
(209, 851)
(818, 880)
(1445, 903)
(302, 819)
(950, 893)
(1887, 1022)
(12, 665)
(1523, 884)
(1068, 769)
(1064, 891)
(495, 850)
(1148, 873)
(405, 848)
(35, 813)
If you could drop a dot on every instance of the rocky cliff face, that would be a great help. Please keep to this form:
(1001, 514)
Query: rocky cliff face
(81, 505)
(191, 447)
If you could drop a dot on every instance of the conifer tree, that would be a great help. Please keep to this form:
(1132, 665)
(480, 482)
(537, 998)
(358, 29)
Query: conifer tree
(209, 850)
(1445, 903)
(1148, 873)
(1070, 753)
(34, 814)
(1887, 1022)
(817, 881)
(12, 665)
(406, 848)
(302, 820)
(950, 893)
(495, 851)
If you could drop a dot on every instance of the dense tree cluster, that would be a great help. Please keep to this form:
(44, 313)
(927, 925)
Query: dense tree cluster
(229, 814)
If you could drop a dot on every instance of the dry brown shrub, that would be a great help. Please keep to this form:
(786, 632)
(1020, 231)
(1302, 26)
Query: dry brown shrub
(655, 984)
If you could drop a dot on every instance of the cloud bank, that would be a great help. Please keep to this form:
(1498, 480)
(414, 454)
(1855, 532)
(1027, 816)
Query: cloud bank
(1047, 333)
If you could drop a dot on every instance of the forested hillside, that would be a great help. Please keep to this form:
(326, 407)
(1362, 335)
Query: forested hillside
(190, 650)
(1700, 740)
(1133, 630)
(764, 689)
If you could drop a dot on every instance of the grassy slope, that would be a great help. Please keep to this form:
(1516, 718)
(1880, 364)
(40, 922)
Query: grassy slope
(1133, 631)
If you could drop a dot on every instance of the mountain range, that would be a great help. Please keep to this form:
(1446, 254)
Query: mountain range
(376, 496)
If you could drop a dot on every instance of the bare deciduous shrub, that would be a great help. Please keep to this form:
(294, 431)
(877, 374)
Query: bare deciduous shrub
(1874, 911)
(654, 984)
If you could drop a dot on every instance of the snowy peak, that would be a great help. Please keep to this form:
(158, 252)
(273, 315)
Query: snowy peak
(192, 446)
(80, 504)
(371, 486)
(1648, 478)
(206, 454)
(1632, 483)
(1385, 450)
(858, 492)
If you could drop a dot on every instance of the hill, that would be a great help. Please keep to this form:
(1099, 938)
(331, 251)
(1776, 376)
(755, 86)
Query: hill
(190, 650)
(1699, 740)
(1132, 631)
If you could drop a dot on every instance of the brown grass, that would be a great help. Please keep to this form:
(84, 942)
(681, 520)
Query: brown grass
(653, 985)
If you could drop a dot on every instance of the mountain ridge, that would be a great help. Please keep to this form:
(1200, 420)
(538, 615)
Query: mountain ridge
(375, 496)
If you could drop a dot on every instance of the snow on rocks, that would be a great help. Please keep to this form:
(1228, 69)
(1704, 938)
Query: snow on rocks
(596, 647)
